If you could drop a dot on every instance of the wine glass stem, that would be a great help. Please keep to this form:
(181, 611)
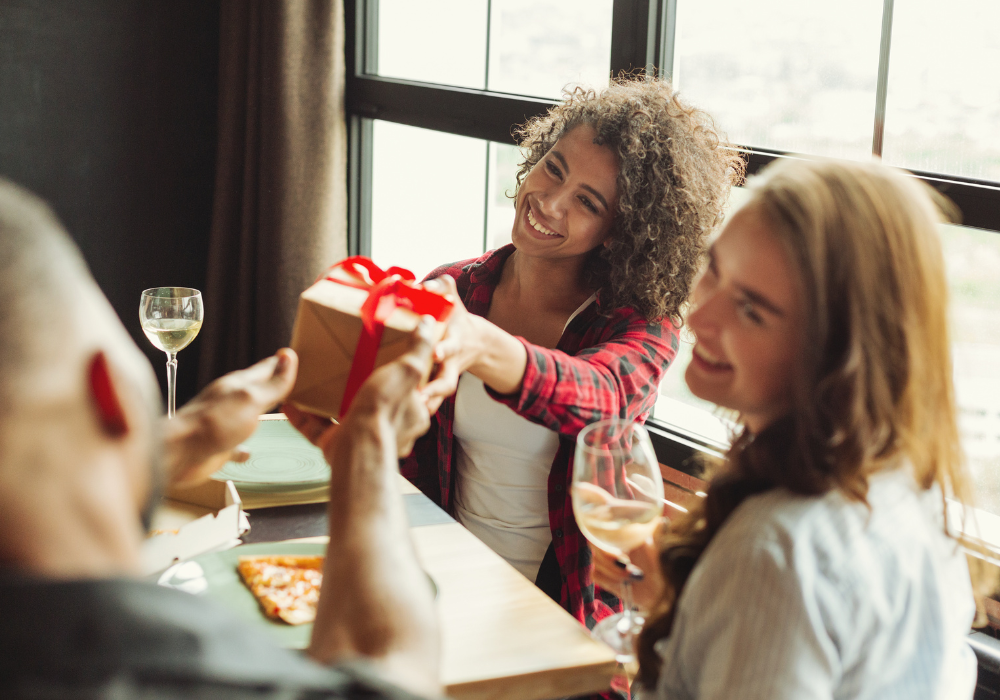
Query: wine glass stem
(171, 383)
(626, 622)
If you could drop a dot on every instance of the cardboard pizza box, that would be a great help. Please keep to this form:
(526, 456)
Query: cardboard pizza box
(180, 530)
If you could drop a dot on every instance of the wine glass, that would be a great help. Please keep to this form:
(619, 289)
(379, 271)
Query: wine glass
(171, 318)
(618, 501)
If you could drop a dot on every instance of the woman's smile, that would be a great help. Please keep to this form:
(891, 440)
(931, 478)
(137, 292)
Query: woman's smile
(540, 228)
(705, 361)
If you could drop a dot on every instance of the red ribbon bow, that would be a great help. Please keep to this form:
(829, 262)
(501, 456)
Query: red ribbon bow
(388, 290)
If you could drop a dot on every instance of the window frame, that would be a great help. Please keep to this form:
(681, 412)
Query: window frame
(642, 35)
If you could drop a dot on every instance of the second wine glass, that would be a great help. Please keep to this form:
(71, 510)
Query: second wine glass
(618, 501)
(171, 318)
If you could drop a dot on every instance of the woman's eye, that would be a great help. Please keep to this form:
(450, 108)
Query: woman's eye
(587, 203)
(748, 311)
(553, 169)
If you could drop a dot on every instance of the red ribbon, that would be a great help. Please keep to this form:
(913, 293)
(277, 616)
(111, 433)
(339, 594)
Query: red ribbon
(388, 290)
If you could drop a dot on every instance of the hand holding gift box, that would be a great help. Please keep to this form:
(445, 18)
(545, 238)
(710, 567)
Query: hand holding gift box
(355, 318)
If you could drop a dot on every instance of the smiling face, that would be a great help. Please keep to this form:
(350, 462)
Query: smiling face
(747, 312)
(566, 204)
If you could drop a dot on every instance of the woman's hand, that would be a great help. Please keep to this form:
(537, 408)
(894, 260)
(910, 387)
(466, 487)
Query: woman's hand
(458, 350)
(641, 567)
(472, 344)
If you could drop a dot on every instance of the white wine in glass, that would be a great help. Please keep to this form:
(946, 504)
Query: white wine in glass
(171, 318)
(618, 502)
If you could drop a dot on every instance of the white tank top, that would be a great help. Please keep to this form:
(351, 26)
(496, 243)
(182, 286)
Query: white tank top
(503, 463)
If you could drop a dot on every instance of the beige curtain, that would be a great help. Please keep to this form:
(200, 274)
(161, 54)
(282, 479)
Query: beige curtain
(280, 211)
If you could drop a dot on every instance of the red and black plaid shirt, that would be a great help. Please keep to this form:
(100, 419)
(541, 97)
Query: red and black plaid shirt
(608, 363)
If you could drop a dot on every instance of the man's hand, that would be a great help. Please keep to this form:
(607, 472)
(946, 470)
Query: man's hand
(376, 602)
(206, 432)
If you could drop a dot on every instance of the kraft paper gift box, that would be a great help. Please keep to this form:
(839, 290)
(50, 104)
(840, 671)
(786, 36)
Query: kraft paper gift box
(328, 327)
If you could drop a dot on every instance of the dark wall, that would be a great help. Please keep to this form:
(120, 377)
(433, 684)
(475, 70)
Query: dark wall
(107, 110)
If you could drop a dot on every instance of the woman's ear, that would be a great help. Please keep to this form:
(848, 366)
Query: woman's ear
(106, 397)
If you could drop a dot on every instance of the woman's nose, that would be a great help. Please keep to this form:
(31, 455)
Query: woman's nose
(552, 203)
(703, 314)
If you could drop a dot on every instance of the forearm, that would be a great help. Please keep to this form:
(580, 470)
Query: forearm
(567, 392)
(500, 359)
(377, 601)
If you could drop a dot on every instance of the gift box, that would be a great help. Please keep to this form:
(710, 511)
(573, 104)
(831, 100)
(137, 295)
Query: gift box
(355, 318)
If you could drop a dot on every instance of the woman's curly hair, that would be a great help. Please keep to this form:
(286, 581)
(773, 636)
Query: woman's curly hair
(673, 183)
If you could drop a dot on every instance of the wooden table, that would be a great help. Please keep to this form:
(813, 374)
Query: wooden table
(502, 638)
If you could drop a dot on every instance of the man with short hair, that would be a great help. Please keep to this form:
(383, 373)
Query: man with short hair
(83, 449)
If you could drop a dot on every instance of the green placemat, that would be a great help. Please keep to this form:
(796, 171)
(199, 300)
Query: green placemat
(281, 459)
(214, 575)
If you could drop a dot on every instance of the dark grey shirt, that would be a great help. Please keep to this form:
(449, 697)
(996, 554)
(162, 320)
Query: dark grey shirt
(117, 639)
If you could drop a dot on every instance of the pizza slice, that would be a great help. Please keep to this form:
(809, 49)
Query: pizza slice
(286, 587)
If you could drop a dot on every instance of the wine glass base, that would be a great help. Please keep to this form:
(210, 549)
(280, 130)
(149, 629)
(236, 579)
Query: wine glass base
(621, 641)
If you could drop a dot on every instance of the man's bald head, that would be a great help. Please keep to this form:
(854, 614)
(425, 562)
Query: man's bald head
(42, 277)
(69, 483)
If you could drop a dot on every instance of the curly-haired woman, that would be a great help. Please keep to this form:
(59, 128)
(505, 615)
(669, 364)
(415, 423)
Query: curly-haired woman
(576, 320)
(821, 563)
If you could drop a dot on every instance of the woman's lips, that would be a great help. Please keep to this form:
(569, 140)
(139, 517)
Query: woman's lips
(536, 229)
(707, 362)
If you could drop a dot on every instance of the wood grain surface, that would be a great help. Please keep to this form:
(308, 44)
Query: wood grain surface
(501, 636)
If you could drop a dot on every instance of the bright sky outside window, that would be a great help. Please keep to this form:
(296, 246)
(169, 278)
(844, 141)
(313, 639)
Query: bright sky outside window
(537, 47)
(504, 162)
(433, 41)
(943, 102)
(973, 260)
(791, 76)
(427, 197)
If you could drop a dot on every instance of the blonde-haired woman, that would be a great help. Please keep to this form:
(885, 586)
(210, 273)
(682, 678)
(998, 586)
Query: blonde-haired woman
(820, 564)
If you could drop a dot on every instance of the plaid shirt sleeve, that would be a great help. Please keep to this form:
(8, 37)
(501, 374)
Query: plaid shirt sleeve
(617, 376)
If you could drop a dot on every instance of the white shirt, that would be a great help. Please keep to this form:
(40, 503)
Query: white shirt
(503, 463)
(800, 597)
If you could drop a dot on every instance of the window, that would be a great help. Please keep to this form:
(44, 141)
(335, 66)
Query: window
(789, 76)
(426, 186)
(526, 47)
(435, 86)
(538, 47)
(973, 260)
(943, 102)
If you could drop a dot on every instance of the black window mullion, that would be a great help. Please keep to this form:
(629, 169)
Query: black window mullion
(667, 40)
(464, 111)
(634, 34)
(359, 186)
(360, 56)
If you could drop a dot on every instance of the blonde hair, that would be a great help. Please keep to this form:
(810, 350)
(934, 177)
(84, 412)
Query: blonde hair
(873, 387)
